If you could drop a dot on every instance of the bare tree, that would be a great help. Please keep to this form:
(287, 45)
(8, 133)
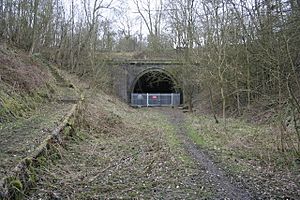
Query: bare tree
(152, 17)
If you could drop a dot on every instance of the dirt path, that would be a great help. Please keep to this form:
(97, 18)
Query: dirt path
(225, 186)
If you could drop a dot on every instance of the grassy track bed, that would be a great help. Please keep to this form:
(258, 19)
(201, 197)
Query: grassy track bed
(120, 152)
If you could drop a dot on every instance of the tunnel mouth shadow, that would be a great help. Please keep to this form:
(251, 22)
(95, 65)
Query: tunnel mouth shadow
(155, 82)
(154, 88)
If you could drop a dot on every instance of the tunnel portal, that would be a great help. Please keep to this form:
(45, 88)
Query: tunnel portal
(152, 79)
(155, 82)
(155, 88)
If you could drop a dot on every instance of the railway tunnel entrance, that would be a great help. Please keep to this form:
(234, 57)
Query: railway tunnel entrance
(154, 88)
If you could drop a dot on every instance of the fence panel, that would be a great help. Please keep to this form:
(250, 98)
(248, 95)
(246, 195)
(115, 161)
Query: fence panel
(154, 100)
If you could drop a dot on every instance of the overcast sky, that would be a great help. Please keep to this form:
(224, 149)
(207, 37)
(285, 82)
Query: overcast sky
(122, 7)
(120, 10)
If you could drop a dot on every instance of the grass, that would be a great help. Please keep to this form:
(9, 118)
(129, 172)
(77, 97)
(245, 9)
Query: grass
(15, 105)
(121, 152)
(249, 152)
(213, 137)
(240, 142)
(195, 136)
(172, 139)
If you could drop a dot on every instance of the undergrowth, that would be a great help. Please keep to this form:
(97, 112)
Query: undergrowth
(16, 104)
(25, 83)
(241, 140)
(249, 153)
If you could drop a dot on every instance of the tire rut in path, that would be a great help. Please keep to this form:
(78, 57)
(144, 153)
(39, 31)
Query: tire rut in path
(226, 187)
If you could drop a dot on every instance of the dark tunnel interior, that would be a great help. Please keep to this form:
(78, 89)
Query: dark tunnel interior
(154, 82)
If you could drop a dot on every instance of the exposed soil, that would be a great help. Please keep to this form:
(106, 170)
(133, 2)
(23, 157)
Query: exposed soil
(226, 186)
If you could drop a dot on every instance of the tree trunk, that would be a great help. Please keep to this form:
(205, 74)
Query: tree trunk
(2, 19)
(34, 28)
(223, 104)
(212, 105)
(190, 104)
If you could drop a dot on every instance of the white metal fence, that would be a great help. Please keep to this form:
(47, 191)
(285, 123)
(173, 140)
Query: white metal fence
(153, 100)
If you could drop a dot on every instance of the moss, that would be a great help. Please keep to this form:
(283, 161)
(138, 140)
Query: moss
(32, 176)
(28, 162)
(13, 106)
(196, 137)
(30, 171)
(68, 130)
(15, 189)
(17, 104)
(54, 154)
(42, 161)
(80, 136)
(16, 184)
